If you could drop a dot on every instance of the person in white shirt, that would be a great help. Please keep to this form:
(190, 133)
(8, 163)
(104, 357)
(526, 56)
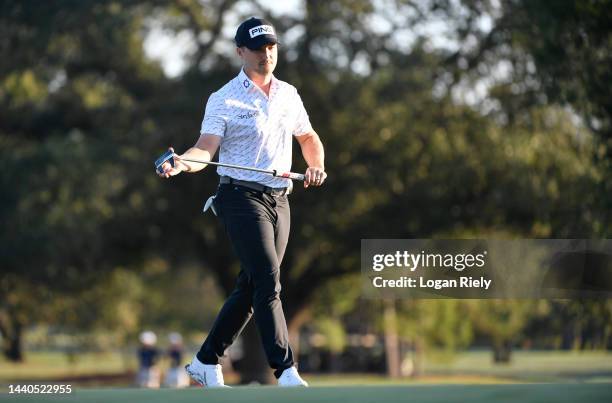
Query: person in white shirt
(253, 119)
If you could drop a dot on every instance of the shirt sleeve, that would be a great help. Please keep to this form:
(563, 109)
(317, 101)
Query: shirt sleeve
(302, 121)
(215, 119)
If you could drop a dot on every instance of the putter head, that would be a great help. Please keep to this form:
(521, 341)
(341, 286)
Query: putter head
(167, 156)
(210, 204)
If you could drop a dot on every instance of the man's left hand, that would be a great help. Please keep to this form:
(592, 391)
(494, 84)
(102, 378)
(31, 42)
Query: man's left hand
(314, 176)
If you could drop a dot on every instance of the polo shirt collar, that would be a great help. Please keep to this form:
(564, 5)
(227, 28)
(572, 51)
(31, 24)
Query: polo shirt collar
(249, 86)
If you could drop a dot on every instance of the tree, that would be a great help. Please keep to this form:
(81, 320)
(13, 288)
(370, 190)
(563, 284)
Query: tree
(503, 322)
(76, 84)
(541, 53)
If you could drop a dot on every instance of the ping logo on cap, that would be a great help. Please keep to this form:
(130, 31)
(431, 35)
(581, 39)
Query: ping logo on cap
(261, 30)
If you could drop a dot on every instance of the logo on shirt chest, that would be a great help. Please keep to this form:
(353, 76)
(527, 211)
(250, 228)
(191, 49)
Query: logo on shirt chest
(248, 115)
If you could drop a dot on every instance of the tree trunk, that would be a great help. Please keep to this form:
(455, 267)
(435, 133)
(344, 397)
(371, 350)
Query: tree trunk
(295, 320)
(568, 336)
(419, 357)
(391, 340)
(253, 366)
(11, 336)
(501, 352)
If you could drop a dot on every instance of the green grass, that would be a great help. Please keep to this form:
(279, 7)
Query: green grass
(532, 366)
(524, 393)
(475, 367)
(373, 379)
(55, 365)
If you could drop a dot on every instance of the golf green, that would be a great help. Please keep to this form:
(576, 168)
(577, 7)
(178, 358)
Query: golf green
(523, 393)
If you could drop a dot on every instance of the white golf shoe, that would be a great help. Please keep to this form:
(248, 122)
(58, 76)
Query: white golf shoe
(210, 376)
(290, 377)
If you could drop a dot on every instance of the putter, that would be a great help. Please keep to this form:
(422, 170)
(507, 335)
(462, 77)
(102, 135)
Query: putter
(169, 156)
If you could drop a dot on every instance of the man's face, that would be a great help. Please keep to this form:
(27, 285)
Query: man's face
(262, 60)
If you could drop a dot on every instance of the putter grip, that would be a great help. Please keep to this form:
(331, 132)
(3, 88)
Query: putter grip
(291, 175)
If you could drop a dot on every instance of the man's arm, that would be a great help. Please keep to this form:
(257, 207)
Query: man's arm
(204, 149)
(314, 155)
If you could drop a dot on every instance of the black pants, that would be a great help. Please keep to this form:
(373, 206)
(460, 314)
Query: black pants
(258, 227)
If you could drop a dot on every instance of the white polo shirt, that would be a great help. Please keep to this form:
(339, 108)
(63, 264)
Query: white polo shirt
(257, 130)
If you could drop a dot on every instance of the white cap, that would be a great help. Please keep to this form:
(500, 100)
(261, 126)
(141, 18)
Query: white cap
(175, 338)
(148, 337)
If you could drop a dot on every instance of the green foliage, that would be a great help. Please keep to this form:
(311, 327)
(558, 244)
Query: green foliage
(439, 324)
(500, 319)
(333, 332)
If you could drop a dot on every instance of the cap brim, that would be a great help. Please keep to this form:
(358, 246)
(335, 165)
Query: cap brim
(260, 41)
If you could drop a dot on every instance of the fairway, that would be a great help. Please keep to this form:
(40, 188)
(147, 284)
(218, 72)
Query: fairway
(524, 393)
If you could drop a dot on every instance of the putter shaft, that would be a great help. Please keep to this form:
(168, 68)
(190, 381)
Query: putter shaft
(273, 172)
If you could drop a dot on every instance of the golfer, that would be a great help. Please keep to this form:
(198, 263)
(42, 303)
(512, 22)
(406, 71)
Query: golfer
(253, 119)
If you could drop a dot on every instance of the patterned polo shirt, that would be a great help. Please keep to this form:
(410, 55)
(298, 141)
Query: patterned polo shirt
(257, 130)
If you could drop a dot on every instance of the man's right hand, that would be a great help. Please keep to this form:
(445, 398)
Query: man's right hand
(168, 170)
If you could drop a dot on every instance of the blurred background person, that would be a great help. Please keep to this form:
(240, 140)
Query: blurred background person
(176, 377)
(148, 373)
